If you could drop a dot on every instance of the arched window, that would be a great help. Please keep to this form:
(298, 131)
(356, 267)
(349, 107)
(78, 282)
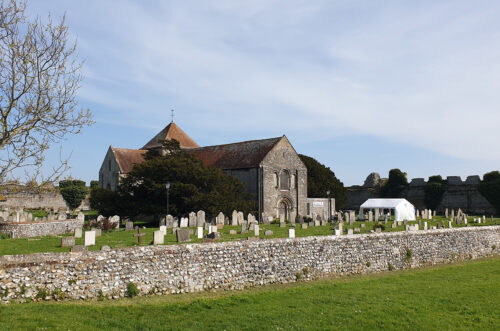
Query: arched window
(275, 179)
(284, 180)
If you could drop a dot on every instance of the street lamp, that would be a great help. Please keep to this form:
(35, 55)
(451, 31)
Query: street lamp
(329, 206)
(167, 185)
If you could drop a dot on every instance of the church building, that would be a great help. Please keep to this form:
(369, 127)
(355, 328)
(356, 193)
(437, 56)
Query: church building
(270, 168)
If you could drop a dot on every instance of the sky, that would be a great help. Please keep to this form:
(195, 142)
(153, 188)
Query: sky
(362, 86)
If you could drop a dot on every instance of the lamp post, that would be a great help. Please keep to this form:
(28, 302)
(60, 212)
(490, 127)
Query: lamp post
(167, 185)
(329, 207)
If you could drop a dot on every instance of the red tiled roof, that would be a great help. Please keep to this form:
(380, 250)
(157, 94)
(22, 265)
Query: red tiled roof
(171, 131)
(246, 154)
(127, 158)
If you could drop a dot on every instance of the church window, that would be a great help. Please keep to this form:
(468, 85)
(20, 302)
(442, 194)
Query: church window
(275, 180)
(284, 180)
(292, 182)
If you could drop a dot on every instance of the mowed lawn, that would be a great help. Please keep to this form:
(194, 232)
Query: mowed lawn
(450, 297)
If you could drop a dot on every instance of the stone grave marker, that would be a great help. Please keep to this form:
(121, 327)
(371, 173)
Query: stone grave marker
(268, 220)
(80, 217)
(159, 238)
(169, 221)
(363, 225)
(97, 231)
(311, 223)
(304, 225)
(425, 225)
(256, 230)
(115, 220)
(291, 233)
(450, 224)
(78, 249)
(129, 226)
(212, 229)
(220, 219)
(268, 233)
(234, 218)
(200, 218)
(394, 224)
(105, 248)
(192, 219)
(241, 217)
(199, 232)
(357, 230)
(78, 232)
(232, 232)
(89, 238)
(183, 235)
(350, 231)
(184, 222)
(163, 228)
(67, 241)
(282, 225)
(337, 232)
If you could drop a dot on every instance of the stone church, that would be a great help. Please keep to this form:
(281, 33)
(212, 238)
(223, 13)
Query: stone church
(270, 168)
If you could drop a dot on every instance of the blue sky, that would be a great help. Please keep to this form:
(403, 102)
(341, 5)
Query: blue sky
(361, 86)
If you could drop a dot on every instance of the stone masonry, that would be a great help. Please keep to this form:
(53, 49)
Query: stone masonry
(39, 229)
(236, 265)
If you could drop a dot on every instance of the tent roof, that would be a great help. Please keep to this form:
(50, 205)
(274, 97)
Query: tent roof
(383, 203)
(171, 131)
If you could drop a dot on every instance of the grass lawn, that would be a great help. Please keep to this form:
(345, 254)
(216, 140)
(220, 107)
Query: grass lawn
(450, 297)
(122, 238)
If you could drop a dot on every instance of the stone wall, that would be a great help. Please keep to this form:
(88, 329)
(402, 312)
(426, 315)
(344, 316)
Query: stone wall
(236, 265)
(28, 200)
(459, 194)
(40, 229)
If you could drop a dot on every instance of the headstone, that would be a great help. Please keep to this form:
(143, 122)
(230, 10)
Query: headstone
(425, 226)
(80, 217)
(378, 230)
(199, 232)
(129, 225)
(115, 220)
(232, 232)
(97, 231)
(78, 249)
(212, 228)
(241, 218)
(446, 213)
(67, 241)
(256, 230)
(89, 238)
(377, 214)
(234, 218)
(163, 228)
(350, 231)
(78, 232)
(394, 224)
(159, 238)
(268, 233)
(282, 225)
(192, 219)
(268, 220)
(169, 221)
(370, 216)
(139, 235)
(337, 232)
(200, 218)
(450, 224)
(357, 230)
(183, 235)
(311, 224)
(363, 225)
(304, 225)
(220, 219)
(184, 222)
(291, 233)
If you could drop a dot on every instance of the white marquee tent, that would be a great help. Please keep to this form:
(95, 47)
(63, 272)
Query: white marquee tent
(403, 210)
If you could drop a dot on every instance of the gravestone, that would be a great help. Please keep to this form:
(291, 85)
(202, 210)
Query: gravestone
(337, 232)
(184, 222)
(378, 230)
(377, 214)
(370, 216)
(169, 221)
(311, 224)
(268, 220)
(80, 217)
(234, 218)
(291, 233)
(244, 227)
(97, 231)
(89, 238)
(232, 232)
(105, 248)
(220, 219)
(357, 230)
(159, 238)
(450, 224)
(192, 219)
(115, 220)
(78, 232)
(256, 230)
(199, 232)
(129, 226)
(200, 218)
(304, 225)
(78, 249)
(425, 226)
(163, 229)
(282, 218)
(139, 235)
(350, 232)
(251, 227)
(282, 225)
(394, 224)
(183, 235)
(67, 241)
(241, 218)
(268, 233)
(363, 225)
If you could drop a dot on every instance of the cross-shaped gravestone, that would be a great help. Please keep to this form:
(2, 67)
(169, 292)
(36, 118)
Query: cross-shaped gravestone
(139, 235)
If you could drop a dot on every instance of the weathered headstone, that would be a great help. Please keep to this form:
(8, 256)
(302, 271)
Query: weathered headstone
(350, 231)
(234, 218)
(370, 216)
(78, 232)
(363, 225)
(425, 225)
(291, 233)
(357, 230)
(304, 225)
(256, 230)
(199, 232)
(89, 238)
(97, 231)
(200, 218)
(115, 221)
(241, 217)
(337, 232)
(169, 221)
(80, 217)
(129, 225)
(232, 232)
(192, 219)
(268, 220)
(268, 233)
(183, 235)
(163, 228)
(282, 225)
(67, 241)
(184, 222)
(159, 238)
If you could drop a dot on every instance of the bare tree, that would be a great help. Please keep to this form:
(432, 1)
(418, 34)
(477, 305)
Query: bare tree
(39, 79)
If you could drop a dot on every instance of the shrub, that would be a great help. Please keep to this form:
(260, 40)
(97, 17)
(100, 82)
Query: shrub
(391, 267)
(368, 264)
(132, 290)
(4, 235)
(73, 192)
(100, 296)
(42, 293)
(298, 276)
(409, 254)
(493, 247)
(395, 185)
(381, 226)
(94, 184)
(106, 225)
(305, 271)
(490, 188)
(433, 191)
(5, 293)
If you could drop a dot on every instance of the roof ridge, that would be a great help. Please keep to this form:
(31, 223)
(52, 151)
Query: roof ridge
(239, 142)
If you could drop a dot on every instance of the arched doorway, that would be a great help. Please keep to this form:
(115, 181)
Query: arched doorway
(284, 207)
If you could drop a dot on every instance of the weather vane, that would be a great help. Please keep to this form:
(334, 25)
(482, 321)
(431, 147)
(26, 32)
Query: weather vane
(172, 115)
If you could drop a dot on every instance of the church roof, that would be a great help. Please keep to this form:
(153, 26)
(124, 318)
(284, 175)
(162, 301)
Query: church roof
(171, 131)
(127, 158)
(246, 154)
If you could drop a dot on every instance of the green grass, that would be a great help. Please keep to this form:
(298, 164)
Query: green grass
(122, 238)
(453, 297)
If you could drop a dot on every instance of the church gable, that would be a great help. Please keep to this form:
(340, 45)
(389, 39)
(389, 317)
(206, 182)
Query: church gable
(283, 155)
(171, 131)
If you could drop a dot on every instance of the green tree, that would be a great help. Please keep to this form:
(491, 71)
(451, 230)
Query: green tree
(39, 80)
(73, 192)
(321, 179)
(433, 191)
(192, 187)
(490, 188)
(395, 185)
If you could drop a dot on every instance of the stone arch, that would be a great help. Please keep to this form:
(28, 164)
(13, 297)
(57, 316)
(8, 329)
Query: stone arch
(284, 206)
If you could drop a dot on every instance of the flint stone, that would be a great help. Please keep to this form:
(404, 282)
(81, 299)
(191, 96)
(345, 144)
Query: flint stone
(183, 235)
(67, 241)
